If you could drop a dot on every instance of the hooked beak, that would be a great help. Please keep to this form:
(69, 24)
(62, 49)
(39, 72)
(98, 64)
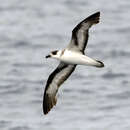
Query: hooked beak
(48, 56)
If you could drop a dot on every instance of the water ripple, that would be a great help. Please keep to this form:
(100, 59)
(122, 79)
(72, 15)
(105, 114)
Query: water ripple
(92, 99)
(112, 75)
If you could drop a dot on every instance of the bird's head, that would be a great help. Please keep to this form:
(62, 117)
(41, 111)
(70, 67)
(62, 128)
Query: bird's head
(54, 54)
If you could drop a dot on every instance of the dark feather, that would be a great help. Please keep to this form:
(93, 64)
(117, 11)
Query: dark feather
(62, 72)
(80, 33)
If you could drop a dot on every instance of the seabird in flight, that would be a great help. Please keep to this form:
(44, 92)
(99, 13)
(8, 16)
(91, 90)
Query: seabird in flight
(69, 57)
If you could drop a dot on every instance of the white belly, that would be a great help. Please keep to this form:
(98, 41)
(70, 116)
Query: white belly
(72, 57)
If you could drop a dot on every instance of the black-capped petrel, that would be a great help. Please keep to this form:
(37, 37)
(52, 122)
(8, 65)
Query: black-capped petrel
(69, 57)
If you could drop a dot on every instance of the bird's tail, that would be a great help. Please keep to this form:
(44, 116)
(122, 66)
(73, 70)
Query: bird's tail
(85, 60)
(99, 64)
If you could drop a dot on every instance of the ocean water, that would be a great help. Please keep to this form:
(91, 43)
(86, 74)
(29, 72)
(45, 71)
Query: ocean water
(92, 98)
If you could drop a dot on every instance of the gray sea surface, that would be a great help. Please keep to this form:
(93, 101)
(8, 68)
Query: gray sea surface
(92, 98)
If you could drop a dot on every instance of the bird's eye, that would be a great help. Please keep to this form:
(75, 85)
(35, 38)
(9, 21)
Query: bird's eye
(54, 52)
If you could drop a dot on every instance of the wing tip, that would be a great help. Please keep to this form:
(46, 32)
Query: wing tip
(94, 18)
(48, 103)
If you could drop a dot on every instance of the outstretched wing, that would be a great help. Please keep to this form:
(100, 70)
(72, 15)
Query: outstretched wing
(57, 77)
(80, 33)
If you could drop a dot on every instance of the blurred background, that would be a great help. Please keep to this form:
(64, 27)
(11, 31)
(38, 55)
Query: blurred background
(92, 98)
